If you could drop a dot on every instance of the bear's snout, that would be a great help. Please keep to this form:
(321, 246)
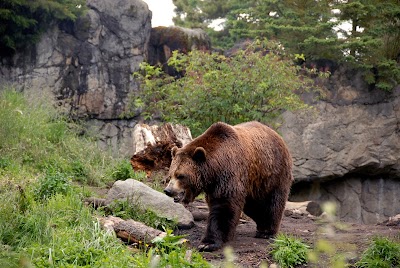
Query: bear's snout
(168, 192)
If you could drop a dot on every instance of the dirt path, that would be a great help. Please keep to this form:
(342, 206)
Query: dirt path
(350, 240)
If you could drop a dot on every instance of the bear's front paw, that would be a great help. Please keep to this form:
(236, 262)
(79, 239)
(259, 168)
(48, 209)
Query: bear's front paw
(209, 247)
(264, 234)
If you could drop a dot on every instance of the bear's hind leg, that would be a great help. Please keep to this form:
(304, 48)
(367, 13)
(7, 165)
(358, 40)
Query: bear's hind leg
(221, 224)
(267, 213)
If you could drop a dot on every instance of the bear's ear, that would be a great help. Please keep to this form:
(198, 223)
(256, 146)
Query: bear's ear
(173, 151)
(199, 154)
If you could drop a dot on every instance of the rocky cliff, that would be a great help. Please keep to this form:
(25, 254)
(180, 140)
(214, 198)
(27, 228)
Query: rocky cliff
(87, 65)
(348, 149)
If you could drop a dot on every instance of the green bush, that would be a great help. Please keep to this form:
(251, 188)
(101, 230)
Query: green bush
(123, 170)
(170, 251)
(288, 251)
(51, 184)
(382, 253)
(251, 85)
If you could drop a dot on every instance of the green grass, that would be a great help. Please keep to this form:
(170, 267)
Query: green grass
(55, 232)
(170, 251)
(382, 253)
(122, 170)
(45, 164)
(34, 138)
(289, 251)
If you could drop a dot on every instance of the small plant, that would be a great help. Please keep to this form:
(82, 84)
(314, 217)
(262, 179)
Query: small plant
(123, 170)
(170, 242)
(170, 251)
(4, 162)
(288, 251)
(382, 253)
(50, 184)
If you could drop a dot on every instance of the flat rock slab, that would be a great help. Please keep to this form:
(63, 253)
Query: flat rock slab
(147, 198)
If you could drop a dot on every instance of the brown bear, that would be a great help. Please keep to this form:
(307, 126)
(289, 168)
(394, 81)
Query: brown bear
(246, 167)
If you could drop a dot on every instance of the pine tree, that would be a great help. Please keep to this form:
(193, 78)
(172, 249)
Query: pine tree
(312, 28)
(22, 21)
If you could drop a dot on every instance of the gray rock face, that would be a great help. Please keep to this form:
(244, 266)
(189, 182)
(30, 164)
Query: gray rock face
(113, 135)
(87, 65)
(338, 140)
(164, 40)
(348, 149)
(147, 198)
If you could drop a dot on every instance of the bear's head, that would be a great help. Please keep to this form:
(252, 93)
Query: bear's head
(184, 176)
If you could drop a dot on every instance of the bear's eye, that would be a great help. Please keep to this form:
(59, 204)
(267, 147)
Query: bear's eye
(180, 177)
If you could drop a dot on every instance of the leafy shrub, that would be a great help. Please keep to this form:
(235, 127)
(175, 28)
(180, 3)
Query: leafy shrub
(50, 184)
(250, 85)
(122, 171)
(170, 251)
(382, 253)
(288, 251)
(170, 242)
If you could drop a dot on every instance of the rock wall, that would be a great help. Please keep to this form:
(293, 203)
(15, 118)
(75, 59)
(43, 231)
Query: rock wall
(164, 40)
(361, 199)
(348, 149)
(87, 65)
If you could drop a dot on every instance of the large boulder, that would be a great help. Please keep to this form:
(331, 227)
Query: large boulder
(147, 198)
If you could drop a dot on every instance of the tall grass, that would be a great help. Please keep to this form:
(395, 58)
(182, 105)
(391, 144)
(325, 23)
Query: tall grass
(43, 222)
(382, 252)
(34, 138)
(289, 251)
(56, 233)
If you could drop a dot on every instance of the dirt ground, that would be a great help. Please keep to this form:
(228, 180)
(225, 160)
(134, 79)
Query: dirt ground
(348, 239)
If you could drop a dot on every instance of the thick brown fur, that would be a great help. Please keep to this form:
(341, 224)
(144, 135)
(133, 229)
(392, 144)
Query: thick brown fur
(246, 167)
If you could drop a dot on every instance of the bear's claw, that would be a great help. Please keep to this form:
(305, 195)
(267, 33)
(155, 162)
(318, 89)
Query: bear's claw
(208, 247)
(266, 235)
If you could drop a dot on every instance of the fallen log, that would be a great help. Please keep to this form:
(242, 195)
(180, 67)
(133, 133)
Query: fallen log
(131, 231)
(95, 202)
(153, 144)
